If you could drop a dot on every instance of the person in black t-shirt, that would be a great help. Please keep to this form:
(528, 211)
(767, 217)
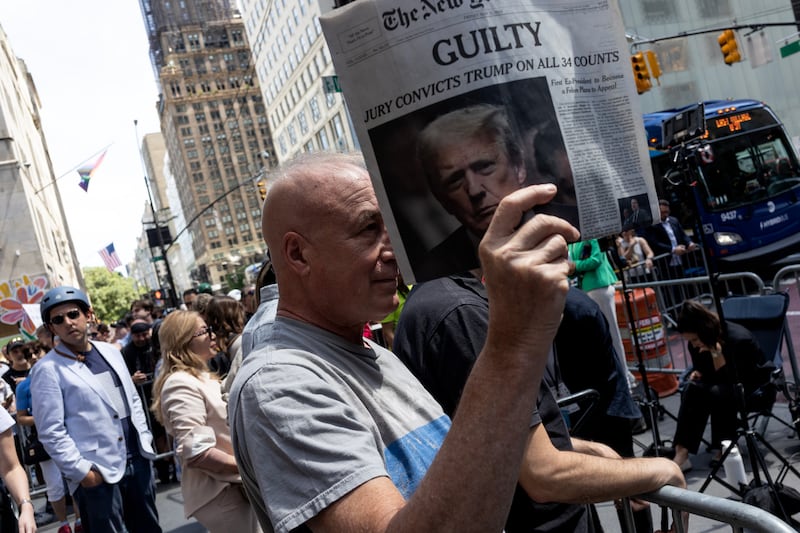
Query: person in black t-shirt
(20, 365)
(440, 334)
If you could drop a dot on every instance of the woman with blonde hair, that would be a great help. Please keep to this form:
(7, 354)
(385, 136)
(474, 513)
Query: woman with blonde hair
(187, 400)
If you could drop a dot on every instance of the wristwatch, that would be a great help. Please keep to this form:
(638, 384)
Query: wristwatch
(23, 501)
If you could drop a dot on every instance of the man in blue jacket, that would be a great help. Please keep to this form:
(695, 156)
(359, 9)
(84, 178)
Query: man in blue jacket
(91, 421)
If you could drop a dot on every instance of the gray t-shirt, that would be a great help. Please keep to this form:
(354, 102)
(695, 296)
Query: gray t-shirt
(314, 416)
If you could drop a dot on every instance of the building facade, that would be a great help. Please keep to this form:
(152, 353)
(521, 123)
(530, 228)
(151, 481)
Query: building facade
(291, 59)
(214, 122)
(36, 251)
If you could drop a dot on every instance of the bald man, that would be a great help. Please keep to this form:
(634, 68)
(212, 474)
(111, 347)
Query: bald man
(331, 431)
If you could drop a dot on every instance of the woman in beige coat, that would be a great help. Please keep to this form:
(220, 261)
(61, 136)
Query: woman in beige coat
(188, 402)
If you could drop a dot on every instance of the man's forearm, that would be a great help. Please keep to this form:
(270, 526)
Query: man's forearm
(551, 475)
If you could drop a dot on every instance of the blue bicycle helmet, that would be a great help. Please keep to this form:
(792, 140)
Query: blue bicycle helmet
(60, 295)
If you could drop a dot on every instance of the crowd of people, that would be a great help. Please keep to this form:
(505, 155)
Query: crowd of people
(276, 411)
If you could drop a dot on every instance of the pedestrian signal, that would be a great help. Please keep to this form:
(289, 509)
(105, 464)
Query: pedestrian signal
(729, 47)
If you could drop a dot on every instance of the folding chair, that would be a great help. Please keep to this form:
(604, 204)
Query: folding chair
(586, 400)
(765, 317)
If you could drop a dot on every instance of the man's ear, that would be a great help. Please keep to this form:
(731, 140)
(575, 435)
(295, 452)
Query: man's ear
(295, 251)
(521, 174)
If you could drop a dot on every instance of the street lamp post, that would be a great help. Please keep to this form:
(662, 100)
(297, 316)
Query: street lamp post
(170, 281)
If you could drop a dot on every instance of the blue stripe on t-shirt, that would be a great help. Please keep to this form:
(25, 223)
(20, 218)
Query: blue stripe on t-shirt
(409, 457)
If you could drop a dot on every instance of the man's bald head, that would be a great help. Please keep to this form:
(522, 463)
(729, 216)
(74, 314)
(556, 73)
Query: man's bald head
(331, 251)
(304, 194)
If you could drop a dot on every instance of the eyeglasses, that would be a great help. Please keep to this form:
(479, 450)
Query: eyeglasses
(73, 314)
(203, 331)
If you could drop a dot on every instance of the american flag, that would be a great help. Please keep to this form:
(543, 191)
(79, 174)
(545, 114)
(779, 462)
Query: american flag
(110, 257)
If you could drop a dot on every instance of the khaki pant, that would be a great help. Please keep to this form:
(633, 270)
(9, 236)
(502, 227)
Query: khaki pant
(229, 511)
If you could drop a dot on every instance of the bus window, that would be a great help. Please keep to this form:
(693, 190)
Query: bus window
(745, 171)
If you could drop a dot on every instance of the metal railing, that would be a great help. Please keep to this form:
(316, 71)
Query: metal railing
(670, 293)
(736, 514)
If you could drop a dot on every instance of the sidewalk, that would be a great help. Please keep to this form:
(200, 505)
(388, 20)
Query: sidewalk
(170, 512)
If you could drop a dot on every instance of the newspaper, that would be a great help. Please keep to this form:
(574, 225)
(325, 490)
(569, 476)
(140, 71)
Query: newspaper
(458, 102)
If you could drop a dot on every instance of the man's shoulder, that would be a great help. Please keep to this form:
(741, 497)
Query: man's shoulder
(447, 292)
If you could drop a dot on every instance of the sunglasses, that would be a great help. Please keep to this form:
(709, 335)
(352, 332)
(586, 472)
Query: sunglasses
(203, 331)
(57, 320)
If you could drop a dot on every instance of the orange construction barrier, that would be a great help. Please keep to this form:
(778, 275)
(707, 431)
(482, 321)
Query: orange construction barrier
(650, 334)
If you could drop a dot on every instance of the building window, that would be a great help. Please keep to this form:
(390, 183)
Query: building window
(659, 12)
(301, 120)
(338, 131)
(313, 104)
(714, 9)
(322, 139)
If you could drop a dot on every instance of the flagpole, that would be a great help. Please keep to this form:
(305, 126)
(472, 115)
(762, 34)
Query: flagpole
(73, 169)
(172, 296)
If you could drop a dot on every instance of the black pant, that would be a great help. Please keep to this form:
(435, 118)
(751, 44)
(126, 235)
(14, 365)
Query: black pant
(699, 401)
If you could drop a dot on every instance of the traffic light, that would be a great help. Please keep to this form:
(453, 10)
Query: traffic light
(158, 296)
(652, 62)
(262, 189)
(729, 47)
(640, 74)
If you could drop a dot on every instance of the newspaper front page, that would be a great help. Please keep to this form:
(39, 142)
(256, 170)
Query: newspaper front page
(458, 102)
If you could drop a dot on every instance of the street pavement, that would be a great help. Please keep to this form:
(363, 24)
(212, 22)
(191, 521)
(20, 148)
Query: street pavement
(170, 512)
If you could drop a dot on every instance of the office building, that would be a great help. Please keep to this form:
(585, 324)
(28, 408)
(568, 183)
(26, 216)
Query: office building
(36, 251)
(291, 59)
(214, 123)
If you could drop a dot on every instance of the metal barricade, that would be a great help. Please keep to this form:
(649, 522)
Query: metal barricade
(736, 514)
(35, 482)
(670, 294)
(786, 277)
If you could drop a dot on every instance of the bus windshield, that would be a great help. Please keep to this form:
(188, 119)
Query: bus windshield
(748, 169)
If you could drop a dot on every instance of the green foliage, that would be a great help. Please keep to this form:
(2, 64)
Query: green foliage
(111, 294)
(235, 279)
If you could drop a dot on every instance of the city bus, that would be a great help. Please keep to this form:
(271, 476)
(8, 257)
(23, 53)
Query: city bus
(746, 181)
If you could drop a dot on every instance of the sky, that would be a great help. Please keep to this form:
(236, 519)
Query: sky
(90, 62)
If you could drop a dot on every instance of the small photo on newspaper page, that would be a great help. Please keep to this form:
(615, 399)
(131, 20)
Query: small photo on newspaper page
(457, 104)
(450, 164)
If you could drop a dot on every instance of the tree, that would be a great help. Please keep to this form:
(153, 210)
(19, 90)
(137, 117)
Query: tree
(111, 294)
